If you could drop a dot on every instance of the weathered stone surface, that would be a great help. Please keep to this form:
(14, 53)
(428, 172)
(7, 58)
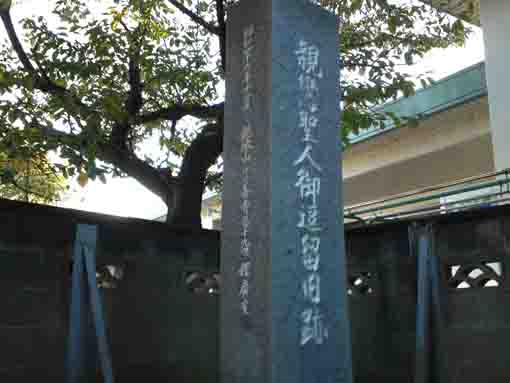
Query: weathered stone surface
(289, 48)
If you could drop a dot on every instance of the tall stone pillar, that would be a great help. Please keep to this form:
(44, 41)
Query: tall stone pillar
(284, 312)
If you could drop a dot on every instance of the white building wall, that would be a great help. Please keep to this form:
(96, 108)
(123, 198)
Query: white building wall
(446, 147)
(495, 19)
(440, 131)
(466, 159)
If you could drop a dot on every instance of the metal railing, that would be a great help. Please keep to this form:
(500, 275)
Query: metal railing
(486, 190)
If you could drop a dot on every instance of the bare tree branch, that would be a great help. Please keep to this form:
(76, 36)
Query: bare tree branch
(124, 26)
(200, 155)
(194, 17)
(130, 164)
(16, 44)
(134, 100)
(177, 112)
(143, 172)
(222, 36)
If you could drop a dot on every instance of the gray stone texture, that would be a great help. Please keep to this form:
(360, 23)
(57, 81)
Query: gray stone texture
(265, 346)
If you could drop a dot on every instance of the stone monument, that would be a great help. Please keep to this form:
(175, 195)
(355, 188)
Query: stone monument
(284, 316)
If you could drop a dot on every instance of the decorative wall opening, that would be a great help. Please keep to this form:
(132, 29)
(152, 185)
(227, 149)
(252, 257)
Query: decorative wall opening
(475, 275)
(108, 276)
(361, 283)
(204, 283)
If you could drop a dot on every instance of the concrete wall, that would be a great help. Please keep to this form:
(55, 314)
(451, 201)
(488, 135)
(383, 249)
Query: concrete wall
(158, 328)
(445, 147)
(161, 332)
(469, 332)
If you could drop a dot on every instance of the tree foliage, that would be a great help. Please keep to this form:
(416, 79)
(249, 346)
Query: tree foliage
(30, 180)
(97, 86)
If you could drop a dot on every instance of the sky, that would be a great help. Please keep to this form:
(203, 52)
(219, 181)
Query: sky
(127, 197)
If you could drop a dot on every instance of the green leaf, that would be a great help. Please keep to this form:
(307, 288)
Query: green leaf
(5, 5)
(409, 57)
(28, 82)
(62, 83)
(112, 105)
(392, 24)
(179, 64)
(83, 179)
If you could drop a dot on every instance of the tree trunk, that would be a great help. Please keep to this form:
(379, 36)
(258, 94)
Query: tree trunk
(199, 157)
